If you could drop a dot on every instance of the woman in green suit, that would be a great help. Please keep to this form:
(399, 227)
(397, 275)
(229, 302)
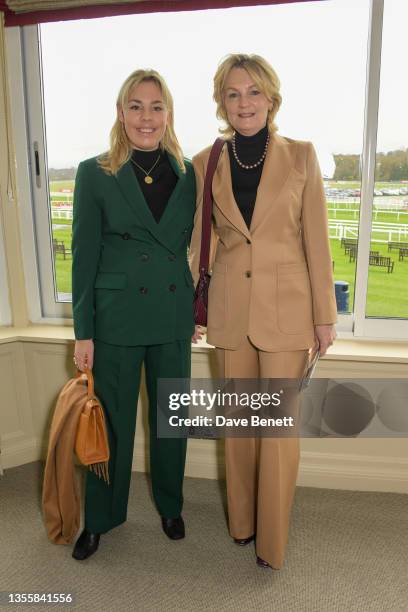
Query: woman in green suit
(132, 294)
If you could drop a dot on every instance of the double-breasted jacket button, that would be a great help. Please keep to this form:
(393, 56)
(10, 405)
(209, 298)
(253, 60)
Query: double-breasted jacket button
(171, 257)
(143, 290)
(144, 257)
(248, 241)
(248, 273)
(172, 287)
(126, 236)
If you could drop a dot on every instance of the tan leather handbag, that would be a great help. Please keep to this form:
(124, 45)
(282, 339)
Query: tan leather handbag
(91, 444)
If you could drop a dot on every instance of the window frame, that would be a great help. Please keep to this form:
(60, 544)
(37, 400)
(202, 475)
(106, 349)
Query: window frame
(5, 309)
(24, 67)
(371, 327)
(25, 61)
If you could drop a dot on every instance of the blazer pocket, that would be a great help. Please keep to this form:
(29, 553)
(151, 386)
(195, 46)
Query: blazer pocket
(107, 280)
(217, 296)
(294, 299)
(292, 268)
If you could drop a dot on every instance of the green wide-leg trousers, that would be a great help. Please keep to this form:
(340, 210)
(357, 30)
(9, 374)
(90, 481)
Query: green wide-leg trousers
(117, 374)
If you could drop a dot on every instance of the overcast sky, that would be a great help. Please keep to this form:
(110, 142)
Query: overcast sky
(318, 50)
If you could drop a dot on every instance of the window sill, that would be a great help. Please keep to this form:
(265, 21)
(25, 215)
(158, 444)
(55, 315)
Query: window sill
(345, 348)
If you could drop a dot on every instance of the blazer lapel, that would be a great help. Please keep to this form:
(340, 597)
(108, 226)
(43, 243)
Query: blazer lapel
(279, 161)
(224, 195)
(131, 191)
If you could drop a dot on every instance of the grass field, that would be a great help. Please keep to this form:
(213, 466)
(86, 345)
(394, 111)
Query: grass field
(387, 293)
(383, 217)
(60, 185)
(357, 185)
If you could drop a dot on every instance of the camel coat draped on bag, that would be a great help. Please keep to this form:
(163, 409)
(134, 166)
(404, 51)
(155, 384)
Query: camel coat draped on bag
(60, 496)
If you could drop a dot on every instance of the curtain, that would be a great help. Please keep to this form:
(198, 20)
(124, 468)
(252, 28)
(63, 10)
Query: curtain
(25, 12)
(24, 6)
(7, 178)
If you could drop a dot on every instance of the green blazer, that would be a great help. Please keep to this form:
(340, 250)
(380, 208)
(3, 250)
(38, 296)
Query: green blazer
(131, 283)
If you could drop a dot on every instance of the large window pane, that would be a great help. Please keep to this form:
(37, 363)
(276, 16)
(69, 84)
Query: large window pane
(388, 271)
(323, 86)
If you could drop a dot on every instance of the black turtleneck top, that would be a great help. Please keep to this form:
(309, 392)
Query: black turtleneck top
(156, 194)
(245, 182)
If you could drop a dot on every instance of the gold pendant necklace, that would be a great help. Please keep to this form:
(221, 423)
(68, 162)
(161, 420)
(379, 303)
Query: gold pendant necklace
(147, 179)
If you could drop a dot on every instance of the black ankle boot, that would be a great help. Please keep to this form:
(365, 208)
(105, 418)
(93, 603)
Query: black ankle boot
(86, 545)
(173, 528)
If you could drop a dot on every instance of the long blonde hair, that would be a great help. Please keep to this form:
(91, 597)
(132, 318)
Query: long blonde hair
(264, 77)
(120, 149)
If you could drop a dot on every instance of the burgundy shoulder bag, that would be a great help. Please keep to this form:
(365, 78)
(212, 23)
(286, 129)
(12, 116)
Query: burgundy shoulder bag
(201, 292)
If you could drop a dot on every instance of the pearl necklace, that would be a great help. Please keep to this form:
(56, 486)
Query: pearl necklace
(248, 166)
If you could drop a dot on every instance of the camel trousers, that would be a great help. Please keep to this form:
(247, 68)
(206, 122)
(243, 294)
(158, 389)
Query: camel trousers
(261, 472)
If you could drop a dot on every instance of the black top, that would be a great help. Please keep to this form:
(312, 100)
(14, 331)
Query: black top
(156, 194)
(245, 182)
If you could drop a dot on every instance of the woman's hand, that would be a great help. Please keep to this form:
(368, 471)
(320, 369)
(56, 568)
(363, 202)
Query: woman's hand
(199, 332)
(84, 354)
(325, 335)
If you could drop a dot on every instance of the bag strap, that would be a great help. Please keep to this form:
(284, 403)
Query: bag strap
(208, 204)
(90, 381)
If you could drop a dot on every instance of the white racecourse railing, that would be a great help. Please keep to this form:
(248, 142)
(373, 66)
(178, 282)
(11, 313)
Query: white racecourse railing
(400, 214)
(61, 212)
(338, 228)
(380, 232)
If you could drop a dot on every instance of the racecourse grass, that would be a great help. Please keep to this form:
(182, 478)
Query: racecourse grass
(387, 292)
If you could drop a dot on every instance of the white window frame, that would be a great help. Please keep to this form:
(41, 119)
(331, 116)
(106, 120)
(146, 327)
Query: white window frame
(28, 124)
(25, 75)
(374, 327)
(5, 310)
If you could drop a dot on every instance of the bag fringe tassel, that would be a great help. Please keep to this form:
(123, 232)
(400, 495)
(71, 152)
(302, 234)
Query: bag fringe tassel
(101, 470)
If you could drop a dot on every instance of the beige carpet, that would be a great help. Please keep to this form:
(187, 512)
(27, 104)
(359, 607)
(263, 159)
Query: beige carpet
(348, 552)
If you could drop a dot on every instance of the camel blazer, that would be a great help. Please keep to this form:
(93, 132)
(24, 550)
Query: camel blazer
(272, 282)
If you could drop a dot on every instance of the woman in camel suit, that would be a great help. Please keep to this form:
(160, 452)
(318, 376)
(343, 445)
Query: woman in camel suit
(271, 296)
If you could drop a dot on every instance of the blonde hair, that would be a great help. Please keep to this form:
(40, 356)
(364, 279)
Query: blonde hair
(264, 77)
(120, 149)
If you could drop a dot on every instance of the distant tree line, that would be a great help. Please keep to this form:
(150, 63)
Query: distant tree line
(391, 166)
(61, 174)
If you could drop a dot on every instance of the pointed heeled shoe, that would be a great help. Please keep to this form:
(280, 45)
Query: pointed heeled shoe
(261, 563)
(86, 545)
(244, 541)
(173, 527)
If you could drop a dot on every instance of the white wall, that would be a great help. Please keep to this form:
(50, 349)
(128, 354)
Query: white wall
(32, 372)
